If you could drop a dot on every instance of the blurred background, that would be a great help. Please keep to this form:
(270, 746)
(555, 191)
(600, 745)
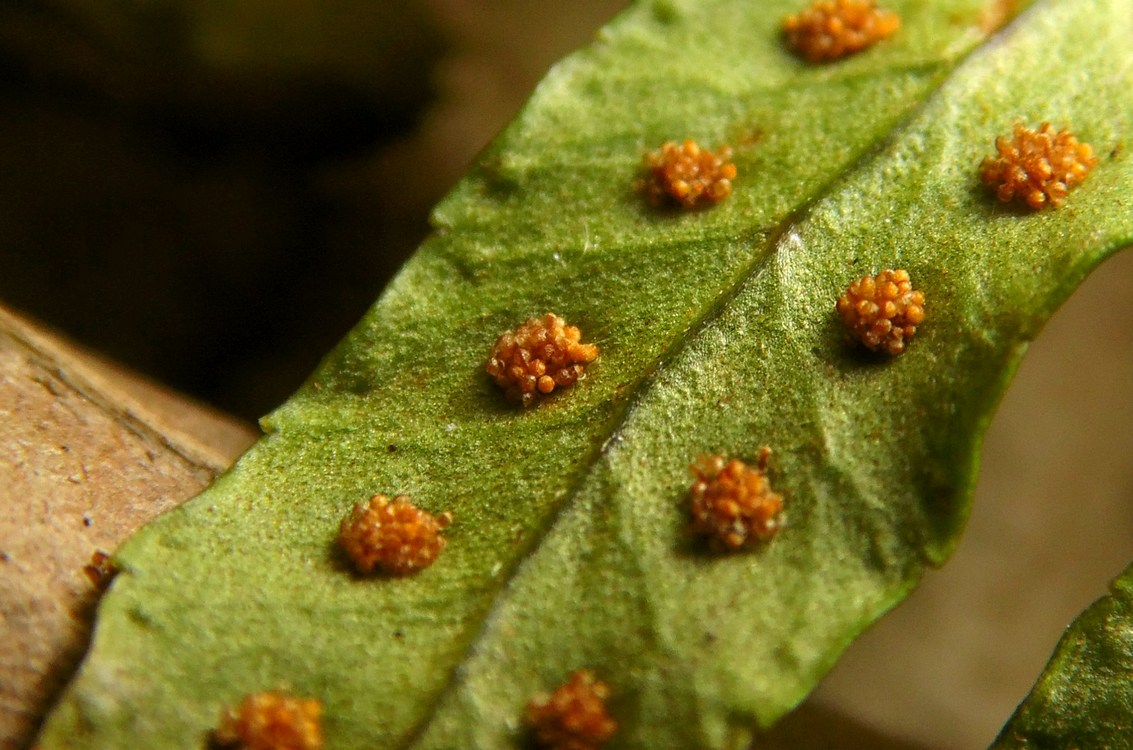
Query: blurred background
(214, 192)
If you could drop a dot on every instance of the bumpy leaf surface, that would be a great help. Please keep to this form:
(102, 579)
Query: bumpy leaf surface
(1085, 696)
(718, 333)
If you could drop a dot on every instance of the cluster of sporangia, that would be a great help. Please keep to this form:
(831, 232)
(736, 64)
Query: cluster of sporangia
(574, 717)
(732, 504)
(394, 536)
(688, 174)
(882, 311)
(831, 29)
(539, 356)
(1037, 167)
(272, 721)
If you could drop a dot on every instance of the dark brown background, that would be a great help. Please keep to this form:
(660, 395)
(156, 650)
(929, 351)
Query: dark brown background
(214, 192)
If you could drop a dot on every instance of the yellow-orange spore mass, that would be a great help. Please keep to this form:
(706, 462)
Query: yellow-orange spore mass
(539, 356)
(689, 175)
(100, 569)
(883, 311)
(394, 536)
(272, 721)
(574, 717)
(1037, 167)
(831, 29)
(733, 503)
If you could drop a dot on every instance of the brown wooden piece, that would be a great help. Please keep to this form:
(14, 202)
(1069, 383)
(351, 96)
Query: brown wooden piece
(88, 453)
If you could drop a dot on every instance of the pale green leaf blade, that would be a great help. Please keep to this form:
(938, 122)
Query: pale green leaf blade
(718, 333)
(1084, 698)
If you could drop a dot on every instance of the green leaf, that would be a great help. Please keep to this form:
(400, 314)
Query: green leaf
(717, 332)
(1084, 698)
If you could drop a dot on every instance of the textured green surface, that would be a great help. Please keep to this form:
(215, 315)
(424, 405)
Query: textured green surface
(717, 333)
(1084, 699)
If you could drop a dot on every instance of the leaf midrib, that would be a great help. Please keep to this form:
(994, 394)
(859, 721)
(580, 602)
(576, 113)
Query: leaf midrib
(618, 419)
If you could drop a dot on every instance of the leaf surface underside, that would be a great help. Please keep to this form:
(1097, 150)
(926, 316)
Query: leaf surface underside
(718, 334)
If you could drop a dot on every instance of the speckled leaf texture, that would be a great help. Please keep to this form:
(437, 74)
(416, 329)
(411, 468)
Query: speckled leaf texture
(1084, 699)
(718, 333)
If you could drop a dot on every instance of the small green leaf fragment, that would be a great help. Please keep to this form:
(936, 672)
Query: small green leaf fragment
(1084, 697)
